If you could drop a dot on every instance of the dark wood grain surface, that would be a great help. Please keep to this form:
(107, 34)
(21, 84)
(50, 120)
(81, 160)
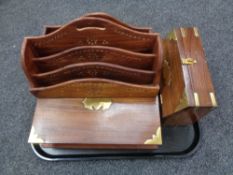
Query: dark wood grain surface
(128, 123)
(191, 93)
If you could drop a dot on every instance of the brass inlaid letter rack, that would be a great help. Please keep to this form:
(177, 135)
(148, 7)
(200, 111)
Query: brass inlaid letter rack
(100, 83)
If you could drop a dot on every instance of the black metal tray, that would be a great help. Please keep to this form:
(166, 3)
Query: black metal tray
(180, 141)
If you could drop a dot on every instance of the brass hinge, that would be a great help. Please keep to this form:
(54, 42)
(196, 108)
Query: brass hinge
(188, 61)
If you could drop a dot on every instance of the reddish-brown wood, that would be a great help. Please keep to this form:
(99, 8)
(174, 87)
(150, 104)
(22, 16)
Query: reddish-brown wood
(106, 16)
(187, 92)
(94, 70)
(99, 56)
(93, 31)
(95, 87)
(128, 123)
(47, 75)
(103, 54)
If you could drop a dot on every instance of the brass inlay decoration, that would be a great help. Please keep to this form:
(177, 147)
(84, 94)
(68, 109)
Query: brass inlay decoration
(196, 99)
(183, 32)
(91, 28)
(97, 103)
(195, 30)
(188, 61)
(172, 35)
(156, 138)
(213, 99)
(183, 102)
(34, 138)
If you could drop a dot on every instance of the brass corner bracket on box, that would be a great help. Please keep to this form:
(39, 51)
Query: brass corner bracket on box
(156, 138)
(183, 103)
(34, 138)
(97, 103)
(172, 35)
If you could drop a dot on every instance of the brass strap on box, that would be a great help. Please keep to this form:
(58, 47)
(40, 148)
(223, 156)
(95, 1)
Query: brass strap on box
(195, 30)
(183, 32)
(196, 99)
(213, 99)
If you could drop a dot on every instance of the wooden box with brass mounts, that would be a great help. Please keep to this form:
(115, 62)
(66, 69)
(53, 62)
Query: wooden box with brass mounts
(188, 92)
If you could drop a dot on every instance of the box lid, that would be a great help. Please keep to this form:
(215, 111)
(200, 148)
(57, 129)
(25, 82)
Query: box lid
(107, 123)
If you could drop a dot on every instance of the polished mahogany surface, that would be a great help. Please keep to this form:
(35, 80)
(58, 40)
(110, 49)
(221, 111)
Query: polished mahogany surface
(188, 92)
(126, 123)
